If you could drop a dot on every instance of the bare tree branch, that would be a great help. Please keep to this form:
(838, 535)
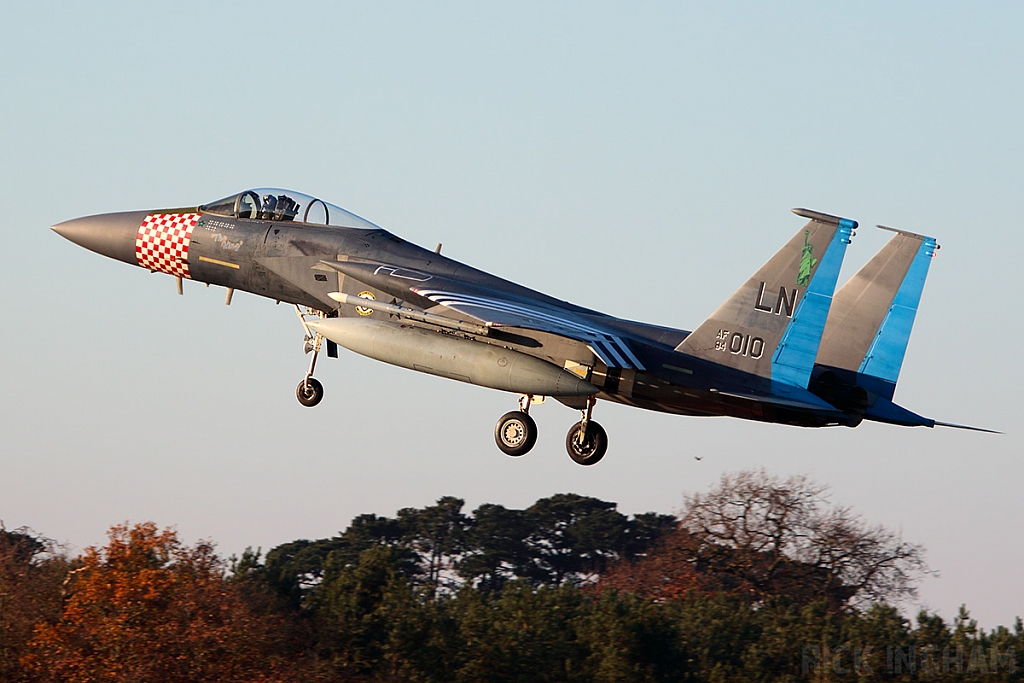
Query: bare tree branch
(785, 534)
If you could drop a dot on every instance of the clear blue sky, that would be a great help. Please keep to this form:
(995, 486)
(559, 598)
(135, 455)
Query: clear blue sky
(637, 159)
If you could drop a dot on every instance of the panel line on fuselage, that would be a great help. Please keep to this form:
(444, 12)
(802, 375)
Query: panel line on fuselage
(614, 346)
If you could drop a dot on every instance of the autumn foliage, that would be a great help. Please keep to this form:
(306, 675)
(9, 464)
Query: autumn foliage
(32, 569)
(669, 572)
(147, 608)
(757, 579)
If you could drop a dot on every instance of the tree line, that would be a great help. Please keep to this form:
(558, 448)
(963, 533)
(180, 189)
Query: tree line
(757, 579)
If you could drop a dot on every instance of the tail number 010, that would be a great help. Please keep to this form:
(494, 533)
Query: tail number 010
(739, 344)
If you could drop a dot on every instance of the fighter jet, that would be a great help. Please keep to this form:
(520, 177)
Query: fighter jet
(784, 348)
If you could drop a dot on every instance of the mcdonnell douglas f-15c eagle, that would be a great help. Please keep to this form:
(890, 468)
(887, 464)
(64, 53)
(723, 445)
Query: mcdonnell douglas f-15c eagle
(784, 348)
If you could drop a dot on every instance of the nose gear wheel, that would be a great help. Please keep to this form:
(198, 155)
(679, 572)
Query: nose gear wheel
(309, 392)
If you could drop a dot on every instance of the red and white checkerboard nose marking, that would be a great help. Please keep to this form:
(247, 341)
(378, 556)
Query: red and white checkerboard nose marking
(162, 242)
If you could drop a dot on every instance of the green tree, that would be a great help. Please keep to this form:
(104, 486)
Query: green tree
(573, 538)
(437, 534)
(495, 549)
(631, 639)
(525, 635)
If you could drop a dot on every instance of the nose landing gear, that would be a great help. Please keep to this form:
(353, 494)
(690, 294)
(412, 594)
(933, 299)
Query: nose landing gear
(310, 392)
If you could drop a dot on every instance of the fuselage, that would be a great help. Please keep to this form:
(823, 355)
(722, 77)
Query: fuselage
(282, 261)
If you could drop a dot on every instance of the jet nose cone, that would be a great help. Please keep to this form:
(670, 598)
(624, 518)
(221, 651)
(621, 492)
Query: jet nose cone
(109, 234)
(77, 230)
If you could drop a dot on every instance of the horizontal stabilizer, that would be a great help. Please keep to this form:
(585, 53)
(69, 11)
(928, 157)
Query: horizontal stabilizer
(973, 429)
(872, 314)
(772, 325)
(884, 410)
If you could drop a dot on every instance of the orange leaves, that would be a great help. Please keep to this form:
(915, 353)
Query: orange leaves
(32, 569)
(147, 607)
(670, 571)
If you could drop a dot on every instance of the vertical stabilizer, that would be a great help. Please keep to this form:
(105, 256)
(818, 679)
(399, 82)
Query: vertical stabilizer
(872, 315)
(772, 325)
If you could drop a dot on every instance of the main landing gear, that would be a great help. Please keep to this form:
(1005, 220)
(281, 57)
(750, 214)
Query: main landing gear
(587, 442)
(310, 392)
(516, 434)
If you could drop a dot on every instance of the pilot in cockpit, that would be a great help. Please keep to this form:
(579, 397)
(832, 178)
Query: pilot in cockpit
(282, 208)
(269, 203)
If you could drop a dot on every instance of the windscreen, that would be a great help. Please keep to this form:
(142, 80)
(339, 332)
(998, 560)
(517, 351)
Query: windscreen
(274, 204)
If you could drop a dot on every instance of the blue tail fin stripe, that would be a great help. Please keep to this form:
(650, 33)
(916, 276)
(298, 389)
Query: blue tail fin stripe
(794, 357)
(885, 355)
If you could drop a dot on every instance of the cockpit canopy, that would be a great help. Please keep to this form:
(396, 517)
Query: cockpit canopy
(274, 204)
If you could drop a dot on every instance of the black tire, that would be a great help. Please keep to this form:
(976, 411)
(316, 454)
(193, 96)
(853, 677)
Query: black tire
(515, 433)
(309, 392)
(594, 445)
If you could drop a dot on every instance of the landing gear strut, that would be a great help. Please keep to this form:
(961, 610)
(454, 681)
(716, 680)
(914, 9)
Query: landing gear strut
(516, 432)
(310, 392)
(587, 442)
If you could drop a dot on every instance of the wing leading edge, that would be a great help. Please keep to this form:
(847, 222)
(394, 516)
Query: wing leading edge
(494, 308)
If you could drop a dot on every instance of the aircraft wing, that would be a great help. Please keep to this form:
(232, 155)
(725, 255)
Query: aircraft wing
(494, 307)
